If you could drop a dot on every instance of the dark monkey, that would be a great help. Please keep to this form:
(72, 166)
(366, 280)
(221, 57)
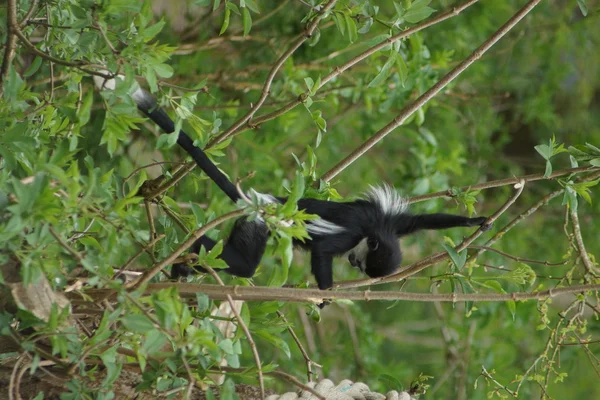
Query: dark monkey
(367, 231)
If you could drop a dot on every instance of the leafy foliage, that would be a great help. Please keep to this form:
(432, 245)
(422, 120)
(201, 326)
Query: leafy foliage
(77, 165)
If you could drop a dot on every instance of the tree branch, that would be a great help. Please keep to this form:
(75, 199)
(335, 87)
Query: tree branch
(340, 69)
(504, 182)
(12, 25)
(429, 94)
(267, 86)
(156, 268)
(263, 293)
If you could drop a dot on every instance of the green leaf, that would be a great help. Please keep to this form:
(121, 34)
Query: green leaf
(512, 307)
(385, 72)
(352, 29)
(215, 251)
(402, 68)
(415, 15)
(310, 84)
(137, 323)
(390, 382)
(225, 21)
(35, 65)
(494, 285)
(458, 259)
(419, 4)
(227, 346)
(86, 106)
(163, 70)
(544, 150)
(582, 7)
(246, 20)
(150, 32)
(275, 341)
(340, 22)
(548, 170)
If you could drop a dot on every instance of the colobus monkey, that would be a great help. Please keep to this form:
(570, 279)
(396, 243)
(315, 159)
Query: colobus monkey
(365, 230)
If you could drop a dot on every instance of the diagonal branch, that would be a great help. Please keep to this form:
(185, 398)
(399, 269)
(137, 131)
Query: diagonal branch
(156, 268)
(370, 51)
(267, 86)
(414, 268)
(429, 94)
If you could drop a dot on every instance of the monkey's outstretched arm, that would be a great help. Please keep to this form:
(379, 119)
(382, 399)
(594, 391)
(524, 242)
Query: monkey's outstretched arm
(412, 223)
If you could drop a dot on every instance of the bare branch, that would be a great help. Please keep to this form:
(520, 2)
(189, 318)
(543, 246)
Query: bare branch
(429, 94)
(264, 293)
(504, 182)
(242, 325)
(267, 86)
(12, 25)
(585, 258)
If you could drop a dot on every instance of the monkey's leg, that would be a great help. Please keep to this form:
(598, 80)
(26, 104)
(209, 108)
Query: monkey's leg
(242, 252)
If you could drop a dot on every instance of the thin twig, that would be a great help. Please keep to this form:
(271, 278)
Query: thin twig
(307, 359)
(106, 39)
(128, 263)
(518, 259)
(244, 328)
(585, 258)
(30, 12)
(267, 86)
(156, 268)
(429, 94)
(64, 244)
(504, 182)
(192, 381)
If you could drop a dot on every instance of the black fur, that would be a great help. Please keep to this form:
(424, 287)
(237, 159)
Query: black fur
(367, 230)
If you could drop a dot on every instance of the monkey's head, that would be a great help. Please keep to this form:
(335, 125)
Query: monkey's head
(376, 255)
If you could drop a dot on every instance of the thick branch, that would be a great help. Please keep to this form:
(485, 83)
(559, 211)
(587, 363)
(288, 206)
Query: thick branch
(262, 293)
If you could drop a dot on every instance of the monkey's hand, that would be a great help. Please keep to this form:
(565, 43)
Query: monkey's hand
(323, 304)
(485, 226)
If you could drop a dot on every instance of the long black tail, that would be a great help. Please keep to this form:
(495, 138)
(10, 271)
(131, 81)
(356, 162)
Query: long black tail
(147, 104)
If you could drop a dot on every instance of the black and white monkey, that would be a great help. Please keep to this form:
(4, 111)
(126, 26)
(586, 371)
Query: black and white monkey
(366, 230)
